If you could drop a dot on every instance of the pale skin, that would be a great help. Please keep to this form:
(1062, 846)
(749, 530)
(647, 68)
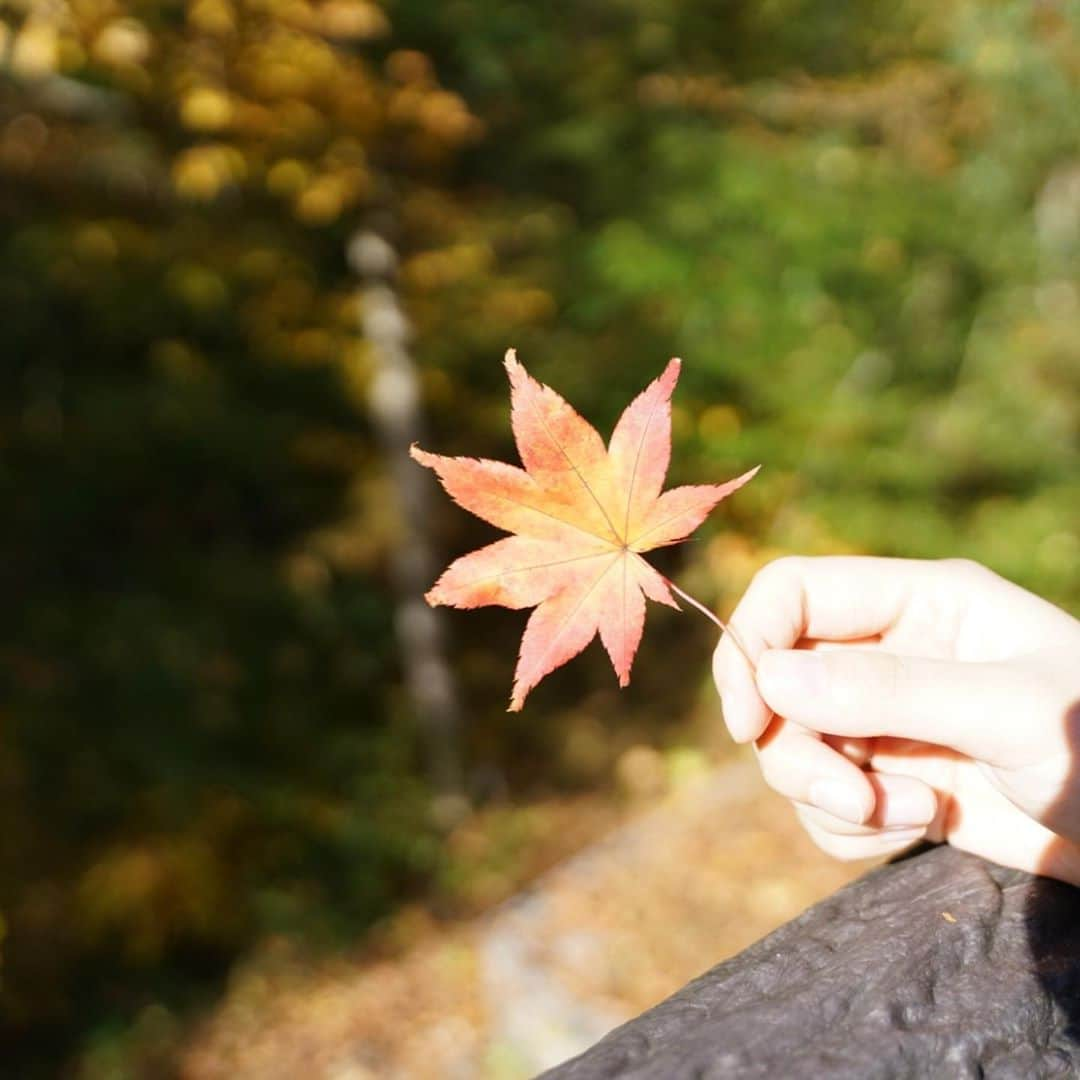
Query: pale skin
(893, 700)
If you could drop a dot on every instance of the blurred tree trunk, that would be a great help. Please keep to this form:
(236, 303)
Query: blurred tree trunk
(395, 408)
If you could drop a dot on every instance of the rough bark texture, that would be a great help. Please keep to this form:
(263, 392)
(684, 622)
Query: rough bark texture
(938, 965)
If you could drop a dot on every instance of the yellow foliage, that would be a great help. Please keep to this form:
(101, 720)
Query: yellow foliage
(682, 423)
(447, 266)
(734, 558)
(352, 19)
(178, 361)
(298, 122)
(355, 364)
(996, 56)
(198, 286)
(96, 242)
(516, 305)
(203, 171)
(883, 254)
(719, 422)
(328, 196)
(22, 139)
(287, 177)
(36, 50)
(305, 572)
(216, 17)
(149, 893)
(290, 299)
(446, 116)
(259, 264)
(346, 151)
(206, 108)
(313, 346)
(409, 66)
(70, 55)
(321, 202)
(122, 43)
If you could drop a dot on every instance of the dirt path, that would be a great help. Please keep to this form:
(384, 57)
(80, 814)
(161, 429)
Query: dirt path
(596, 940)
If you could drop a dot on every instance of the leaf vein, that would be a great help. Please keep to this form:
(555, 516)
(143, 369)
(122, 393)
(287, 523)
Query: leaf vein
(548, 514)
(553, 640)
(580, 475)
(537, 566)
(667, 521)
(634, 471)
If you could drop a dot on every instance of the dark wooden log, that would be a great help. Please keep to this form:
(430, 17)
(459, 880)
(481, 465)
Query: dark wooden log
(940, 964)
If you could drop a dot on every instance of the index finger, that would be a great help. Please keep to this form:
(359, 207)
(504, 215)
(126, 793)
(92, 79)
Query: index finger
(832, 598)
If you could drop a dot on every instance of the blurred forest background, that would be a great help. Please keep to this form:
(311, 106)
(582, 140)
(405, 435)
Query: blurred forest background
(247, 247)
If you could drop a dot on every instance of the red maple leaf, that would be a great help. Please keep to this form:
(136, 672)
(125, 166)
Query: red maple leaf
(582, 514)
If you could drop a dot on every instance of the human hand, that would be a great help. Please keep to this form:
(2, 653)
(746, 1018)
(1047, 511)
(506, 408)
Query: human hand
(897, 699)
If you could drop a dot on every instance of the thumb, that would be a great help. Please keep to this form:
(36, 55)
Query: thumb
(982, 710)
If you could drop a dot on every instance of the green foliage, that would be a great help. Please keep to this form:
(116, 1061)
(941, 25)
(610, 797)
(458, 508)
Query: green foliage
(168, 653)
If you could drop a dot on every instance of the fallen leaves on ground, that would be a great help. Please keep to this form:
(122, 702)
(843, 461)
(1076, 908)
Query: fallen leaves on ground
(707, 870)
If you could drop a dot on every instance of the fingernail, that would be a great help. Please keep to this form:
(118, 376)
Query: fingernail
(791, 673)
(839, 799)
(908, 807)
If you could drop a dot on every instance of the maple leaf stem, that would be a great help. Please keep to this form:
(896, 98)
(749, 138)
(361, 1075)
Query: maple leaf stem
(730, 630)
